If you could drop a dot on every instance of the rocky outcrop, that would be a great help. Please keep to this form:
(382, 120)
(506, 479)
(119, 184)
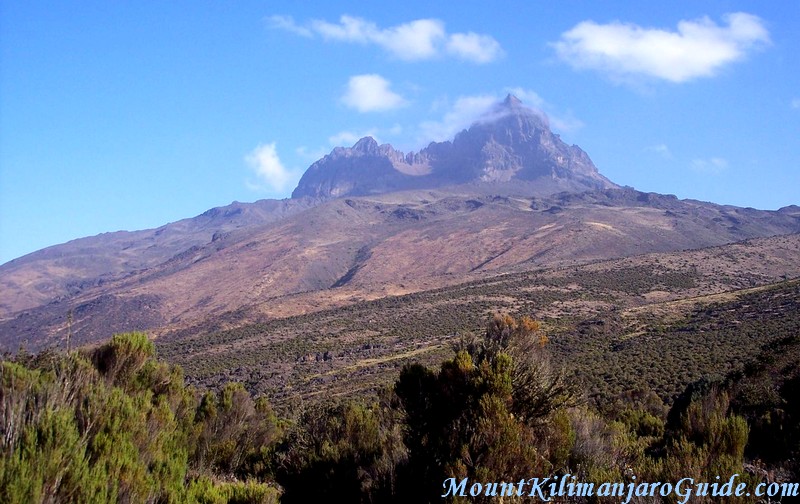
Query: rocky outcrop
(365, 168)
(509, 143)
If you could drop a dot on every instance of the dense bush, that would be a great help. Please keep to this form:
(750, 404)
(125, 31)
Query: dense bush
(111, 425)
(348, 450)
(114, 424)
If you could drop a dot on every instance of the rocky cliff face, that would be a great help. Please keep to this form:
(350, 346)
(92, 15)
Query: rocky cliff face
(510, 143)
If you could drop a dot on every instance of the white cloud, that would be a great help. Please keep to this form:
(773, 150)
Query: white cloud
(795, 103)
(660, 149)
(528, 97)
(269, 170)
(465, 111)
(371, 93)
(287, 23)
(416, 40)
(698, 48)
(713, 166)
(474, 47)
(564, 123)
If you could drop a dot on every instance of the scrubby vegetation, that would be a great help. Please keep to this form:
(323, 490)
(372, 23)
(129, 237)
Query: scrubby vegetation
(656, 354)
(626, 328)
(114, 424)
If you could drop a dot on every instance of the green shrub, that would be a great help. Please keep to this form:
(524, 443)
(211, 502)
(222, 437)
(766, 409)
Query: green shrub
(204, 491)
(116, 427)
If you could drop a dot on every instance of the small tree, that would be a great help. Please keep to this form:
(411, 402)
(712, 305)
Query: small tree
(538, 389)
(486, 413)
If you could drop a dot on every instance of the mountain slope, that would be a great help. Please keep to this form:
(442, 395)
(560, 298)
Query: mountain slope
(398, 241)
(626, 323)
(68, 269)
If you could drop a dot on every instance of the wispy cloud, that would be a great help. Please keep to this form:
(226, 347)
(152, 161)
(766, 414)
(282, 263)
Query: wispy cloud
(466, 110)
(713, 166)
(698, 48)
(287, 23)
(660, 149)
(416, 40)
(474, 47)
(560, 121)
(270, 173)
(795, 104)
(371, 93)
(529, 97)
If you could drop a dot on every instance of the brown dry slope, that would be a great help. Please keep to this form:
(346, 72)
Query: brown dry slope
(68, 269)
(484, 203)
(599, 316)
(367, 245)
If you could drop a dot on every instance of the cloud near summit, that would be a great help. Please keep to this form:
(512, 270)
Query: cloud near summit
(272, 175)
(416, 40)
(371, 93)
(698, 48)
(466, 110)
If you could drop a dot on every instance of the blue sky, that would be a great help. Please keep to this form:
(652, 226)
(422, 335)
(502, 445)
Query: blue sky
(119, 115)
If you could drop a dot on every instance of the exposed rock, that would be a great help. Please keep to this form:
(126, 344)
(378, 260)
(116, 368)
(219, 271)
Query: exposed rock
(510, 143)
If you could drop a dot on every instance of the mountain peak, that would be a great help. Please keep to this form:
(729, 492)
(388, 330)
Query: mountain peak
(512, 102)
(511, 143)
(511, 112)
(366, 145)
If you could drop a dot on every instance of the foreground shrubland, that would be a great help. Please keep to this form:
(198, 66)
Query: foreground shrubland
(114, 424)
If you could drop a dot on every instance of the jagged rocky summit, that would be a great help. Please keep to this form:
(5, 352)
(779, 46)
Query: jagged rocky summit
(510, 145)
